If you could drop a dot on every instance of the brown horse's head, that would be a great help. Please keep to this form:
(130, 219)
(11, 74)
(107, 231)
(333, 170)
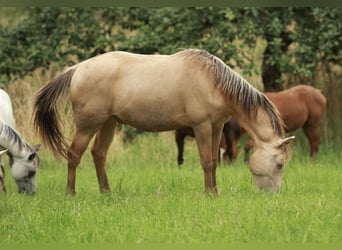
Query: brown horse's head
(267, 164)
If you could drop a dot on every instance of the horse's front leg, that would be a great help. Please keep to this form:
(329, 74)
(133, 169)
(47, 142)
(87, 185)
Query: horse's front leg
(179, 137)
(2, 172)
(203, 136)
(2, 178)
(215, 141)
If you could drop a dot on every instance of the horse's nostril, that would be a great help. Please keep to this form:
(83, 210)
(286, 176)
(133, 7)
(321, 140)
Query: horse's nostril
(31, 173)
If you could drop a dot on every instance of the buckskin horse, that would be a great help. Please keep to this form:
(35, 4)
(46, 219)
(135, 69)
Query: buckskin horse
(191, 88)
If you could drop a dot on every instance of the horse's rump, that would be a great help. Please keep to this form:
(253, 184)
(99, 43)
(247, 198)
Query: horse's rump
(299, 104)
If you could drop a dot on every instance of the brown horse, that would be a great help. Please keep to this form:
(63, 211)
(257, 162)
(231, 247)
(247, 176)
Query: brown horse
(191, 88)
(301, 106)
(230, 135)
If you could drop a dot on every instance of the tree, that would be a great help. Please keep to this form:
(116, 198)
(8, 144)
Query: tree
(69, 35)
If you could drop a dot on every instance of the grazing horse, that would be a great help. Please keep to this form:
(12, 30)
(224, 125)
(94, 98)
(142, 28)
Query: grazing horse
(191, 88)
(301, 106)
(24, 160)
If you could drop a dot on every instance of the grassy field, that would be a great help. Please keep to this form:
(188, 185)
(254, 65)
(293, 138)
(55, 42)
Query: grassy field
(155, 201)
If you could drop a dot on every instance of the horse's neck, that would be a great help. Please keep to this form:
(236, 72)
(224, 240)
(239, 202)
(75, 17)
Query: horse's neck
(260, 128)
(11, 140)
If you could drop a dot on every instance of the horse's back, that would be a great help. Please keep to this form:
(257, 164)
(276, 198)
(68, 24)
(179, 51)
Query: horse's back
(291, 106)
(313, 97)
(316, 102)
(132, 87)
(6, 111)
(299, 104)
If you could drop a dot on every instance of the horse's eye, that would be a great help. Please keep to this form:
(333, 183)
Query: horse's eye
(32, 156)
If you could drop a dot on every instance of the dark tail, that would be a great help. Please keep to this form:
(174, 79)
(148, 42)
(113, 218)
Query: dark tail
(45, 114)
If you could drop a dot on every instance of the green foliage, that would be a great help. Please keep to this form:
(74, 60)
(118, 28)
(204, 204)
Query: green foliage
(319, 35)
(68, 35)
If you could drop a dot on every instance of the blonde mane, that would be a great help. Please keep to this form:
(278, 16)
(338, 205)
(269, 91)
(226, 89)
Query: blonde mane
(234, 87)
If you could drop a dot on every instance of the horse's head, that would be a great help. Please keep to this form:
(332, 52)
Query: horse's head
(24, 170)
(267, 164)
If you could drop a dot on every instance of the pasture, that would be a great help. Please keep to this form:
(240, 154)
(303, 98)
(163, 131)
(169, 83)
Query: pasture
(155, 201)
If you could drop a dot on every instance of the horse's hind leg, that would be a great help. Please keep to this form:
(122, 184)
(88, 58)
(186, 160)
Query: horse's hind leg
(99, 152)
(75, 152)
(312, 133)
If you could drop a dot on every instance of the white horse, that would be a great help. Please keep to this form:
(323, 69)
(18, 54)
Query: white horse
(23, 159)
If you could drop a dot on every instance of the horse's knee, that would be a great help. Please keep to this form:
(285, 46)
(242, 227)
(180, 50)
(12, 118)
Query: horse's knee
(208, 166)
(214, 163)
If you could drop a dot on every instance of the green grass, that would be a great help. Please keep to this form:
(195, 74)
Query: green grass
(155, 201)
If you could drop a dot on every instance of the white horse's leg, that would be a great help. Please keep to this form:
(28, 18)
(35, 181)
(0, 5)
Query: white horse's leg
(2, 178)
(2, 172)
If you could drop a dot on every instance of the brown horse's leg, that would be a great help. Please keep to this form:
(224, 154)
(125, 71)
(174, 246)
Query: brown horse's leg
(223, 146)
(312, 133)
(248, 147)
(179, 137)
(99, 152)
(235, 150)
(227, 133)
(215, 140)
(75, 152)
(203, 136)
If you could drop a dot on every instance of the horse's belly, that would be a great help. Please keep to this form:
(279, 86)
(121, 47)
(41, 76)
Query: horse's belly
(152, 117)
(150, 121)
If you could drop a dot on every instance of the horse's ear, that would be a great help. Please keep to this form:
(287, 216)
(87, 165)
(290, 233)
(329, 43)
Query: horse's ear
(3, 151)
(36, 148)
(286, 140)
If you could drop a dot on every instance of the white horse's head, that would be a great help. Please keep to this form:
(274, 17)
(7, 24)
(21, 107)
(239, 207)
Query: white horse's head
(24, 170)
